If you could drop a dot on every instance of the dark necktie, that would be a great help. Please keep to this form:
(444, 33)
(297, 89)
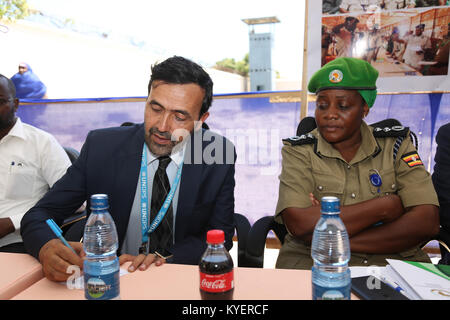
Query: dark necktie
(162, 238)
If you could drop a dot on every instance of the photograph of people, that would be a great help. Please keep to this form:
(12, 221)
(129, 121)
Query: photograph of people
(364, 6)
(411, 42)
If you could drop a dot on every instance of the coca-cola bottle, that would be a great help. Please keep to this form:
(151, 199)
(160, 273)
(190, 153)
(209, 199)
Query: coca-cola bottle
(216, 269)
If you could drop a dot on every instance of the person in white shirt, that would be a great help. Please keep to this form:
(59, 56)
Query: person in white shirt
(345, 34)
(359, 6)
(31, 161)
(398, 4)
(415, 47)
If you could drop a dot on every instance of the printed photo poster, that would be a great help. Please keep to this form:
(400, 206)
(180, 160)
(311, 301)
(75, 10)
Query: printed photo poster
(407, 41)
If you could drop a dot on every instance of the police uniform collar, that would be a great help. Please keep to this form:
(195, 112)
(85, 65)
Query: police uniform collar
(389, 128)
(368, 148)
(298, 140)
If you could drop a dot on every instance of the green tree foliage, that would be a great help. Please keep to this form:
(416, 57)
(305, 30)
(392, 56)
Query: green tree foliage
(13, 9)
(231, 65)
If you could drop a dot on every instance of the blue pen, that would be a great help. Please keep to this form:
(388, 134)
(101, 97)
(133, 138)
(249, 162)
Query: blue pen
(58, 232)
(393, 285)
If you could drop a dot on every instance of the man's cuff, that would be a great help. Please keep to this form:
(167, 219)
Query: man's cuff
(16, 221)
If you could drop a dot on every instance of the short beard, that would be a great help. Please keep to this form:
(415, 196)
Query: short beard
(159, 150)
(8, 122)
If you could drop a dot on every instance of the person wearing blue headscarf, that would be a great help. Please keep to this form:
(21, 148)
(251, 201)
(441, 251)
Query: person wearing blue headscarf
(28, 85)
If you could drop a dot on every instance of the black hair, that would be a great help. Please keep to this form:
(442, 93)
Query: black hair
(11, 86)
(179, 70)
(351, 19)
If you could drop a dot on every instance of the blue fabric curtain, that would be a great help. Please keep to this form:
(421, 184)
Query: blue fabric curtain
(255, 125)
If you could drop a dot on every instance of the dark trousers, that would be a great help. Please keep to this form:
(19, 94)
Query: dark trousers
(17, 247)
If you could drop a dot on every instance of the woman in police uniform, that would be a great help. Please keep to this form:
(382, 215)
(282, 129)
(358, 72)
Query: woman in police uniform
(388, 202)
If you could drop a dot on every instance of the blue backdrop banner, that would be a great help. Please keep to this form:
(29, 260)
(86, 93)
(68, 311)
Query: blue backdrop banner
(254, 124)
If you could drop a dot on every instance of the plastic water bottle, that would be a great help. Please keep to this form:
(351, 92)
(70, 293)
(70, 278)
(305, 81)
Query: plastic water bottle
(101, 264)
(330, 251)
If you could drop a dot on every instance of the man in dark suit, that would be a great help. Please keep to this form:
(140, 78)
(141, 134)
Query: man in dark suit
(441, 181)
(112, 161)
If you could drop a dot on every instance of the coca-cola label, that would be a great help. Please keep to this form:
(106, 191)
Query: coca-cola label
(217, 282)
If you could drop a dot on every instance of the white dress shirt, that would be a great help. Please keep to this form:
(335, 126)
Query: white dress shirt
(31, 161)
(133, 237)
(415, 43)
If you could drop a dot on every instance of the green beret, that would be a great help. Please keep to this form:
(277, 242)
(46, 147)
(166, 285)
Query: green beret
(348, 74)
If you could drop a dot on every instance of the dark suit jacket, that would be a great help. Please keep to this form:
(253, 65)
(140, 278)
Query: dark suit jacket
(109, 163)
(441, 174)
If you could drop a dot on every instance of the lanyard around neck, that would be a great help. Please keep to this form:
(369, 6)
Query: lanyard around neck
(145, 212)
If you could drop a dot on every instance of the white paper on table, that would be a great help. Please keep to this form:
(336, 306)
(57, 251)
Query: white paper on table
(382, 274)
(424, 284)
(357, 272)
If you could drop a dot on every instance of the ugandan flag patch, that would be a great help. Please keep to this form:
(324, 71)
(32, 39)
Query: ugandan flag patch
(412, 159)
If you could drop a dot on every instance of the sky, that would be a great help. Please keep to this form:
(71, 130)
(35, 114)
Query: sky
(203, 30)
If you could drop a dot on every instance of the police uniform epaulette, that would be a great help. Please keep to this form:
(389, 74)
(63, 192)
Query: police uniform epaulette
(394, 131)
(308, 138)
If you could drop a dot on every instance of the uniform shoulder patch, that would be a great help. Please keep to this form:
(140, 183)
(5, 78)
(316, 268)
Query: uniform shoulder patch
(394, 131)
(412, 159)
(300, 140)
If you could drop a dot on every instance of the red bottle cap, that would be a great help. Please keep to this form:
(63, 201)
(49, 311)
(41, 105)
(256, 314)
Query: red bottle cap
(215, 236)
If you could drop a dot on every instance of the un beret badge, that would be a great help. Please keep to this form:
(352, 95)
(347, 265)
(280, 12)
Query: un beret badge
(336, 76)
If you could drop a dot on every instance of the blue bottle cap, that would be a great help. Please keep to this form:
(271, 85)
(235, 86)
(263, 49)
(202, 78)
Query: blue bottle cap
(329, 205)
(99, 202)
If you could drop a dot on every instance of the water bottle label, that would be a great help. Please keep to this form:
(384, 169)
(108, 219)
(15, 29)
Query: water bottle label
(102, 287)
(326, 293)
(217, 282)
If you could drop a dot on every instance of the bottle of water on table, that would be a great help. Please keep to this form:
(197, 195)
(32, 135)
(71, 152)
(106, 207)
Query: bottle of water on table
(101, 264)
(330, 250)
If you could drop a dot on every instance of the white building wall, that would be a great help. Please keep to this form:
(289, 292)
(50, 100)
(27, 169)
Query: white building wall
(78, 66)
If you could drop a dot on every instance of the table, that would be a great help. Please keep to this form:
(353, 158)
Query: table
(391, 68)
(181, 282)
(17, 272)
(388, 67)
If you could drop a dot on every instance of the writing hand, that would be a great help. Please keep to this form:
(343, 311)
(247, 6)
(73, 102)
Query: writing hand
(56, 258)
